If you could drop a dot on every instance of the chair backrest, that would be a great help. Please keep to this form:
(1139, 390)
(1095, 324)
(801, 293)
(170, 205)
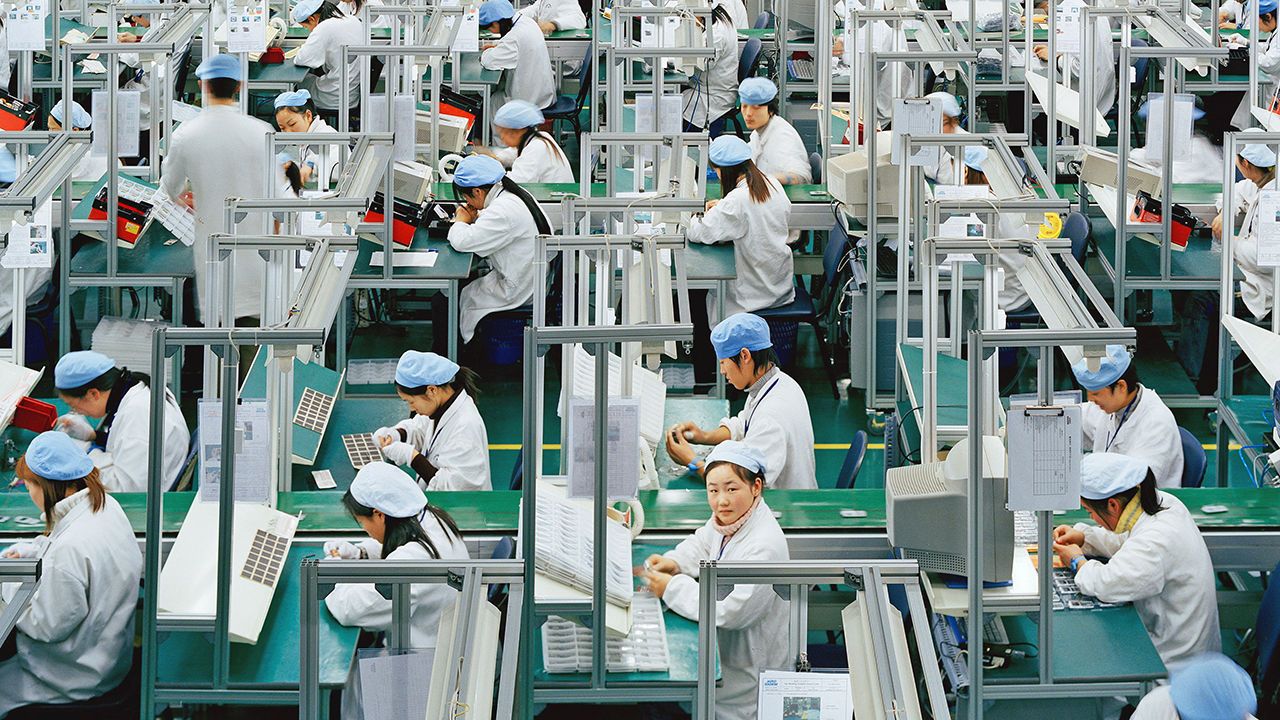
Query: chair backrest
(1267, 628)
(504, 550)
(1076, 227)
(517, 472)
(834, 252)
(1139, 65)
(852, 461)
(584, 80)
(764, 21)
(749, 60)
(188, 471)
(1193, 460)
(815, 166)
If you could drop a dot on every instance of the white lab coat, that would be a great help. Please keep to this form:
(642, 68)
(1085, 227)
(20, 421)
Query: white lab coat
(1012, 296)
(714, 91)
(566, 14)
(1255, 283)
(75, 639)
(323, 49)
(541, 162)
(775, 421)
(758, 231)
(379, 20)
(751, 623)
(363, 606)
(1104, 67)
(327, 167)
(458, 447)
(123, 465)
(524, 52)
(1199, 162)
(893, 80)
(737, 10)
(1162, 566)
(1158, 705)
(1268, 75)
(36, 280)
(944, 171)
(778, 150)
(223, 153)
(1149, 434)
(504, 233)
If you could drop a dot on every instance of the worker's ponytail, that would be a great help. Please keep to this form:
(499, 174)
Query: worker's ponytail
(533, 133)
(402, 531)
(757, 184)
(1146, 492)
(54, 491)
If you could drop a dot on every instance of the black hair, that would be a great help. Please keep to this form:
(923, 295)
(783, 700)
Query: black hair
(308, 106)
(774, 106)
(465, 379)
(402, 531)
(757, 184)
(533, 133)
(1130, 378)
(328, 9)
(720, 14)
(761, 358)
(1146, 489)
(974, 177)
(504, 26)
(223, 88)
(107, 381)
(293, 174)
(743, 474)
(1271, 16)
(511, 186)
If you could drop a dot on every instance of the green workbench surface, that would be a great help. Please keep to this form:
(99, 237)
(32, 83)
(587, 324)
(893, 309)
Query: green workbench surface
(351, 415)
(1143, 259)
(1107, 644)
(157, 252)
(682, 646)
(706, 412)
(284, 73)
(800, 511)
(953, 384)
(187, 657)
(472, 72)
(305, 441)
(711, 262)
(1183, 193)
(1253, 412)
(450, 264)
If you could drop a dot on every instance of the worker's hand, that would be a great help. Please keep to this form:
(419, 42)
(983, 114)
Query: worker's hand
(1067, 553)
(838, 47)
(26, 549)
(1067, 535)
(1042, 52)
(488, 46)
(679, 448)
(127, 38)
(384, 436)
(400, 453)
(187, 198)
(662, 564)
(76, 426)
(694, 434)
(341, 549)
(711, 203)
(1217, 226)
(657, 582)
(547, 27)
(464, 214)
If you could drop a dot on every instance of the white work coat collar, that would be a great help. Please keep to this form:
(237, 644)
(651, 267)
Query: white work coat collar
(67, 510)
(760, 384)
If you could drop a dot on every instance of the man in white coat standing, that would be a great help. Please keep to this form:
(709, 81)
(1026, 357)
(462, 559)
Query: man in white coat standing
(221, 153)
(1123, 416)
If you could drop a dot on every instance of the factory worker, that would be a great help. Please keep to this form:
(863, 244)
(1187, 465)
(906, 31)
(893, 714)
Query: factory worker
(893, 79)
(1155, 557)
(737, 10)
(522, 49)
(1257, 163)
(775, 419)
(944, 171)
(330, 31)
(93, 387)
(444, 441)
(1197, 162)
(1104, 64)
(751, 630)
(530, 155)
(554, 15)
(776, 147)
(713, 91)
(75, 637)
(1124, 416)
(752, 213)
(1268, 61)
(1209, 687)
(400, 524)
(222, 153)
(499, 221)
(354, 8)
(92, 166)
(295, 113)
(1009, 226)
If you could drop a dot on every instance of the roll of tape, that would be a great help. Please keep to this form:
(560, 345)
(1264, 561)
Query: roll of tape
(447, 165)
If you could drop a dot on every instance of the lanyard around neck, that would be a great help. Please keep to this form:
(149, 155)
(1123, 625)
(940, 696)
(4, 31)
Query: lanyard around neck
(1124, 417)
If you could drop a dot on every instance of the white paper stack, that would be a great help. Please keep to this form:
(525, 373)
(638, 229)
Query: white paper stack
(646, 386)
(565, 545)
(566, 645)
(128, 343)
(378, 371)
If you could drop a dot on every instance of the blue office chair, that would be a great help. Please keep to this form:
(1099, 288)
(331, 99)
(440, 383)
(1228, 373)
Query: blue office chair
(1076, 227)
(815, 167)
(803, 310)
(504, 550)
(1194, 460)
(517, 472)
(748, 65)
(764, 21)
(852, 461)
(570, 108)
(1139, 65)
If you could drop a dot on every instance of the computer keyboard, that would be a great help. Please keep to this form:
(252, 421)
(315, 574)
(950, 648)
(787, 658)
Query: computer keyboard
(801, 69)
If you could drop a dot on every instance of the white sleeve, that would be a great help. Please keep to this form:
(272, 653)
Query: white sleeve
(417, 431)
(502, 56)
(736, 425)
(59, 605)
(723, 223)
(1137, 571)
(691, 551)
(461, 461)
(173, 177)
(506, 155)
(312, 52)
(488, 233)
(1099, 541)
(1156, 705)
(746, 605)
(359, 606)
(1093, 420)
(1269, 61)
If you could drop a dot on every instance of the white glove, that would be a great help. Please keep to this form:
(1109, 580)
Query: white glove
(399, 453)
(76, 426)
(26, 549)
(386, 433)
(341, 549)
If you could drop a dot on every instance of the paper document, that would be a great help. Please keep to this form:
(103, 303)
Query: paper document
(24, 25)
(247, 27)
(623, 449)
(1183, 104)
(916, 116)
(1045, 446)
(1069, 26)
(128, 122)
(252, 446)
(1267, 223)
(804, 696)
(30, 244)
(182, 112)
(413, 258)
(391, 686)
(406, 127)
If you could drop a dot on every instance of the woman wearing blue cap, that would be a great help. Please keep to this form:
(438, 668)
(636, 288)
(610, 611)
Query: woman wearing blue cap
(223, 154)
(775, 420)
(530, 155)
(1257, 163)
(1268, 60)
(713, 91)
(75, 638)
(944, 171)
(93, 387)
(330, 31)
(555, 15)
(1155, 557)
(400, 524)
(521, 49)
(776, 147)
(91, 167)
(1209, 687)
(1124, 416)
(295, 113)
(444, 440)
(751, 630)
(499, 221)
